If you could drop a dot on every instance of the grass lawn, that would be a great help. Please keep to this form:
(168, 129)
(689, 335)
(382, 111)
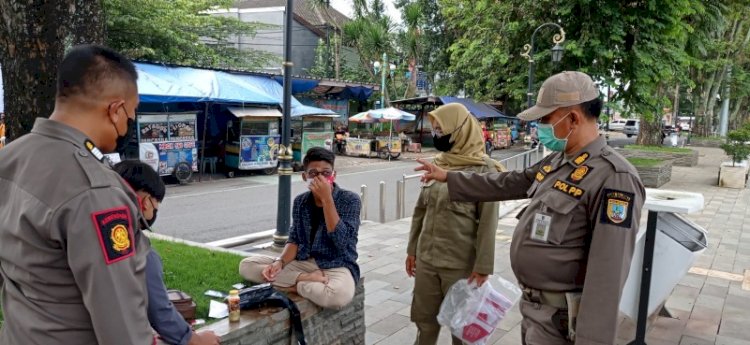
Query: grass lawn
(195, 270)
(644, 162)
(658, 149)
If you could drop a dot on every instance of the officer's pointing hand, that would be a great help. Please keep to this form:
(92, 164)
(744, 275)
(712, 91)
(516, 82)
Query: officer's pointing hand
(432, 172)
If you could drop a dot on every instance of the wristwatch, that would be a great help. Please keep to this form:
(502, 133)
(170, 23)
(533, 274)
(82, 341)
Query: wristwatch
(279, 259)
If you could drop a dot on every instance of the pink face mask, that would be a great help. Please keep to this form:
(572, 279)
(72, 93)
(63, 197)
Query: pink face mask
(331, 179)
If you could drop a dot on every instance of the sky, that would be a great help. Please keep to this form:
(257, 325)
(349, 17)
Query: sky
(345, 7)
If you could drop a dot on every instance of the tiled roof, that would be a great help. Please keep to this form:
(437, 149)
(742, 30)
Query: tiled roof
(303, 9)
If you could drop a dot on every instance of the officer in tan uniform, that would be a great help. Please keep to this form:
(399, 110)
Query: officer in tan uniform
(72, 257)
(572, 247)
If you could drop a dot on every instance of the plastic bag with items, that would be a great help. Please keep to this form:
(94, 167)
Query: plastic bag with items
(472, 313)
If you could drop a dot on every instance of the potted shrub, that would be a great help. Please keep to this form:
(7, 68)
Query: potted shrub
(734, 174)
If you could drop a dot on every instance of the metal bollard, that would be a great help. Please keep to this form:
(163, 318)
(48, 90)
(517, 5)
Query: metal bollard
(382, 201)
(399, 199)
(363, 198)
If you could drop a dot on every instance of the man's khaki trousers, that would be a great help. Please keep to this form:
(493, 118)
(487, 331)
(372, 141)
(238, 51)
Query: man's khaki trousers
(335, 295)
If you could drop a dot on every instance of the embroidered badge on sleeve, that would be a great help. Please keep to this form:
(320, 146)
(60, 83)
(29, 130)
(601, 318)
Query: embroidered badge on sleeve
(617, 208)
(115, 231)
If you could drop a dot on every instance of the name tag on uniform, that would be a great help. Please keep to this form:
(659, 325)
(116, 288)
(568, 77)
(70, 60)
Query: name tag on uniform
(540, 227)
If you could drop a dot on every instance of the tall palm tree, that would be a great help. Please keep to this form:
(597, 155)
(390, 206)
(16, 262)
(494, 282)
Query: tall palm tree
(411, 41)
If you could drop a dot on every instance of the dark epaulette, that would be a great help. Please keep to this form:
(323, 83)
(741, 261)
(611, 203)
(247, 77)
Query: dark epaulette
(619, 163)
(96, 171)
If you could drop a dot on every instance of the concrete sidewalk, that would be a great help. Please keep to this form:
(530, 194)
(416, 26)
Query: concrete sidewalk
(710, 305)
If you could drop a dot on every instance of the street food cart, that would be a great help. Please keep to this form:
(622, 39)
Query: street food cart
(385, 147)
(252, 140)
(501, 136)
(385, 150)
(167, 142)
(311, 131)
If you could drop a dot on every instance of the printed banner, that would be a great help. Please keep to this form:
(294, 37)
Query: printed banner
(182, 127)
(316, 139)
(340, 106)
(171, 153)
(358, 147)
(153, 128)
(258, 151)
(149, 154)
(395, 143)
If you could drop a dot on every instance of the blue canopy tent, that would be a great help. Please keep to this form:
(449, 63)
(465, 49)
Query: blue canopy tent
(162, 84)
(192, 88)
(274, 89)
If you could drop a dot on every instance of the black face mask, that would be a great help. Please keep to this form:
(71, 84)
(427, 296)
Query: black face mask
(124, 140)
(147, 223)
(442, 143)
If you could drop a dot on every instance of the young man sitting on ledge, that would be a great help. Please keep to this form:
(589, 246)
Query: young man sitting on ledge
(319, 261)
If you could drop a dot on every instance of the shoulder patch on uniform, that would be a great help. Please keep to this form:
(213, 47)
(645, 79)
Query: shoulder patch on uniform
(547, 168)
(579, 173)
(616, 208)
(540, 176)
(115, 230)
(569, 189)
(582, 158)
(93, 149)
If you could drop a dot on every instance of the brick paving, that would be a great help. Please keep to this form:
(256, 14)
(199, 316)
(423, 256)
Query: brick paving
(709, 305)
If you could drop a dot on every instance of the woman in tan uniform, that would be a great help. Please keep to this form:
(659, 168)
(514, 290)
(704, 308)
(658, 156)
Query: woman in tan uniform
(450, 240)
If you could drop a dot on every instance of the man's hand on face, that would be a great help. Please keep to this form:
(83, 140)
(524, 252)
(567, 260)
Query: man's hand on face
(432, 171)
(205, 338)
(321, 188)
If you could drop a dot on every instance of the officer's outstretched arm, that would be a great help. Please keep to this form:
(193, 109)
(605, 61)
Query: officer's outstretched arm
(107, 255)
(497, 186)
(616, 216)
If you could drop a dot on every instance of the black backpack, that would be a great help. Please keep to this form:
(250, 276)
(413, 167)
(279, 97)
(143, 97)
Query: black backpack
(264, 295)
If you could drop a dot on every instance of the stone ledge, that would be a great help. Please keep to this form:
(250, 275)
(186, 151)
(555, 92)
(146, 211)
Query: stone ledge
(270, 326)
(656, 176)
(679, 159)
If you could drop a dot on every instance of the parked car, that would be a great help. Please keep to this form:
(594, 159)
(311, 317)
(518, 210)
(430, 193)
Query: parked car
(632, 127)
(685, 126)
(617, 125)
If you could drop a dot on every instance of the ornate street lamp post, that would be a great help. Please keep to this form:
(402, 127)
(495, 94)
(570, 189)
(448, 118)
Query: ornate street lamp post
(382, 68)
(528, 53)
(283, 222)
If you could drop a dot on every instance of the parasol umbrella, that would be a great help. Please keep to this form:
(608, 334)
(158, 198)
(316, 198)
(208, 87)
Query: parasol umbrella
(383, 115)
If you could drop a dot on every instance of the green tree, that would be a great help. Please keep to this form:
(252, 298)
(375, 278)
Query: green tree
(33, 37)
(180, 32)
(430, 39)
(719, 44)
(641, 44)
(371, 33)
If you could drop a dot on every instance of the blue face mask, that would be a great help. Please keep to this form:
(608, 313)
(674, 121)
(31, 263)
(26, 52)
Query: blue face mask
(546, 134)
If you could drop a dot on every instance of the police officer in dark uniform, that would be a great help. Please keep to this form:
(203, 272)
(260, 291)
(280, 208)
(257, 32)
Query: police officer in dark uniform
(573, 245)
(72, 257)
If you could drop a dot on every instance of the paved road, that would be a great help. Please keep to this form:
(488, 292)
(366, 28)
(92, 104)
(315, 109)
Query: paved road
(219, 209)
